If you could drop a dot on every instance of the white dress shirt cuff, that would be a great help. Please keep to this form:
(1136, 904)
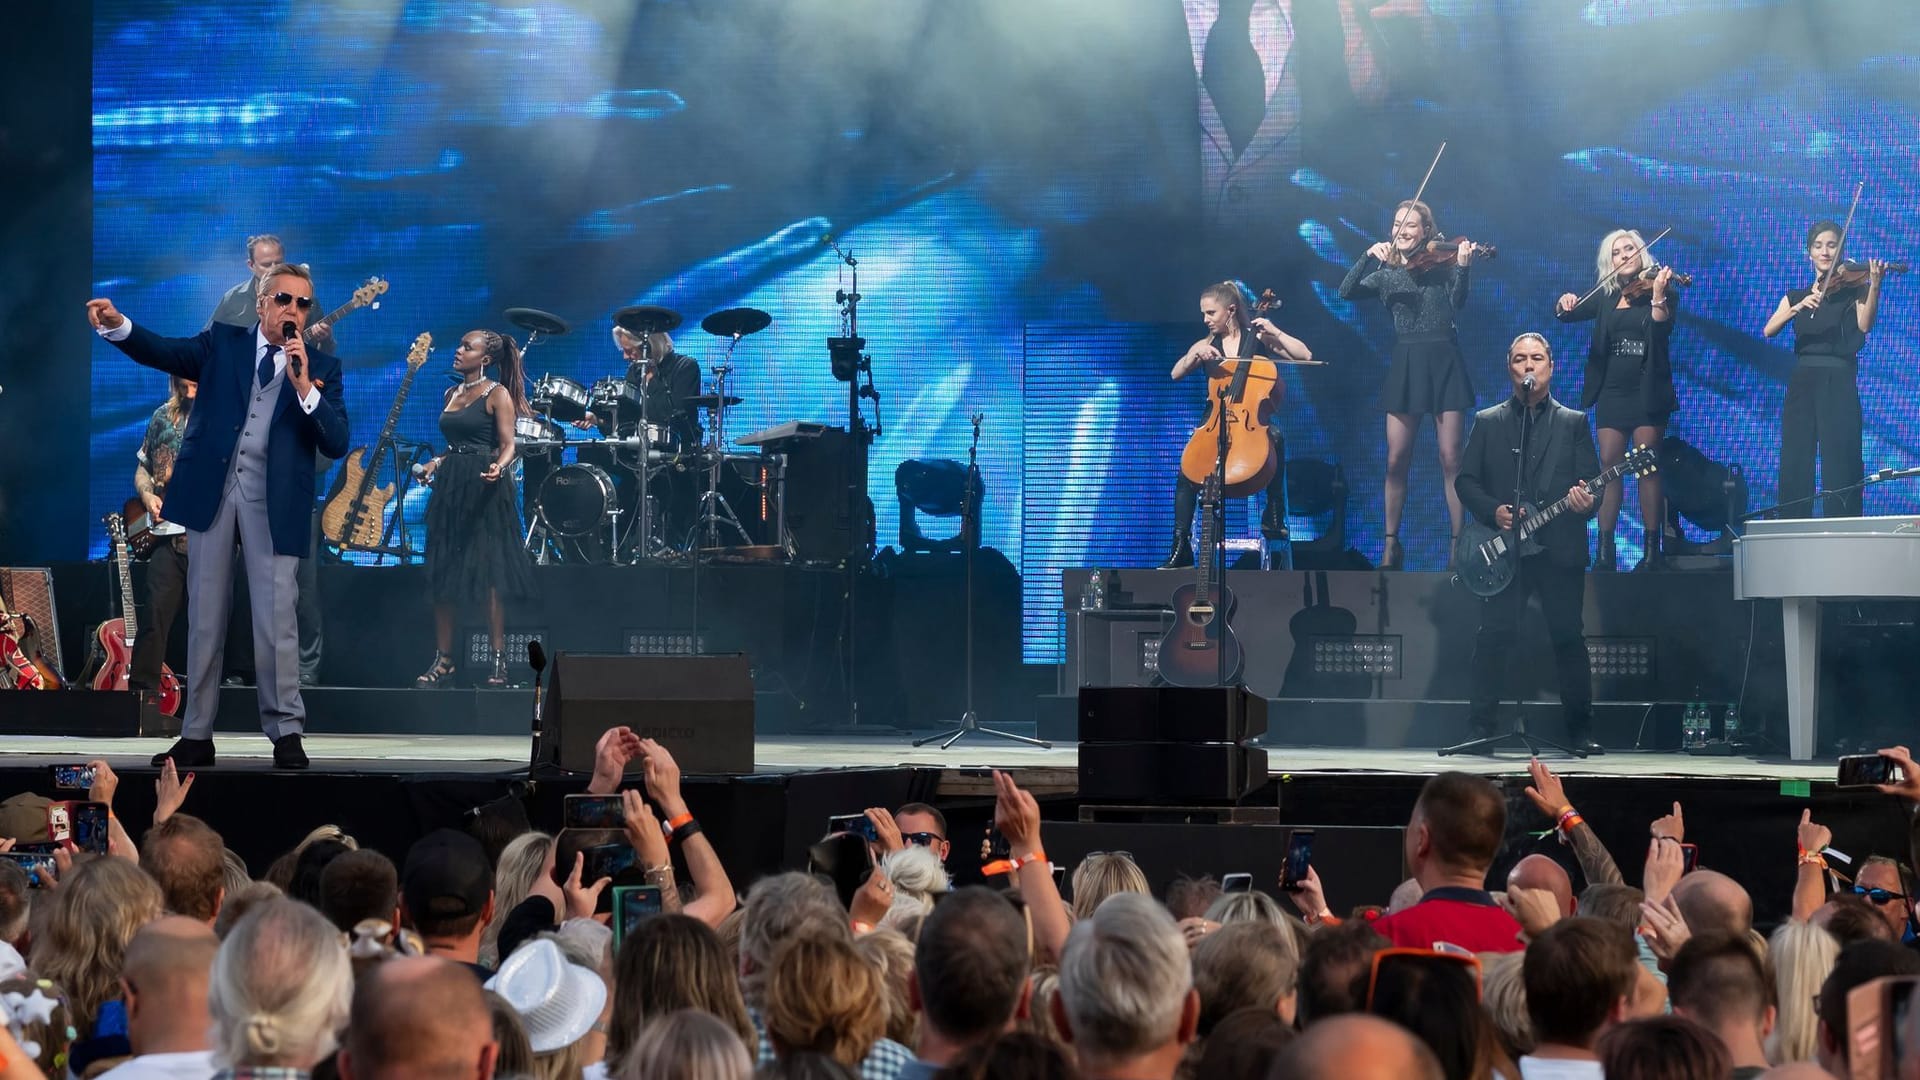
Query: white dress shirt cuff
(118, 333)
(311, 401)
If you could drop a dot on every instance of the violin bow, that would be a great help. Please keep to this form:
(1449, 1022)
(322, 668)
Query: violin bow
(1422, 190)
(1611, 274)
(1840, 249)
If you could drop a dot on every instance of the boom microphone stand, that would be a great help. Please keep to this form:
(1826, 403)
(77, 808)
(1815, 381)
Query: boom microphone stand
(1868, 481)
(1519, 738)
(850, 362)
(969, 540)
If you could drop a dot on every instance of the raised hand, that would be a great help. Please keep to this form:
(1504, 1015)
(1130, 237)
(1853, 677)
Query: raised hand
(663, 778)
(1665, 864)
(1664, 928)
(1546, 792)
(1016, 815)
(1671, 826)
(582, 899)
(169, 791)
(887, 829)
(617, 746)
(643, 831)
(1909, 786)
(105, 783)
(1814, 837)
(103, 315)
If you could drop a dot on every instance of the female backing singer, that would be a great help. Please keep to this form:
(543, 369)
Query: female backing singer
(475, 549)
(1427, 374)
(1227, 309)
(1629, 381)
(1821, 416)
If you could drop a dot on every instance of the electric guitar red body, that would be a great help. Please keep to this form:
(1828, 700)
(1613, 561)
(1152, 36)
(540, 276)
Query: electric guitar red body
(113, 639)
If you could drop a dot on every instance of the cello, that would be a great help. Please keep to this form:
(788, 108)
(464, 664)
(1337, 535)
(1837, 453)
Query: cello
(1252, 391)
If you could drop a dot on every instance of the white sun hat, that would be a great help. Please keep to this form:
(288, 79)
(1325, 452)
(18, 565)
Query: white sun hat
(558, 1001)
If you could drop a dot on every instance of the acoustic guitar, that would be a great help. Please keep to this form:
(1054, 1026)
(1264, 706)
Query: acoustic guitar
(355, 514)
(113, 640)
(1200, 647)
(1487, 558)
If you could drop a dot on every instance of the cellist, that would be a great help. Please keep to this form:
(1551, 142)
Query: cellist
(1227, 308)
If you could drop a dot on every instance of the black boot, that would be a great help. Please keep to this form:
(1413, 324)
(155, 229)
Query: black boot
(1181, 556)
(1653, 559)
(1580, 737)
(1604, 557)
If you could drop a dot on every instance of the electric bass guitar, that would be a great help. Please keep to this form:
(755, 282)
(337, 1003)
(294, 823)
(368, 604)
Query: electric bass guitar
(1200, 646)
(367, 295)
(21, 665)
(1487, 558)
(355, 514)
(113, 640)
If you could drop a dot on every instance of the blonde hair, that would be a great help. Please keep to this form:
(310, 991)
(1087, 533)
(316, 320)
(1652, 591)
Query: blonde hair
(521, 863)
(1603, 262)
(1504, 994)
(1247, 907)
(281, 988)
(1103, 875)
(823, 997)
(1039, 1019)
(891, 954)
(687, 1045)
(92, 916)
(1803, 956)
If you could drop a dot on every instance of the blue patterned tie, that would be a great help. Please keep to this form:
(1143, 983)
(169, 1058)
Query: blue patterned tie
(266, 365)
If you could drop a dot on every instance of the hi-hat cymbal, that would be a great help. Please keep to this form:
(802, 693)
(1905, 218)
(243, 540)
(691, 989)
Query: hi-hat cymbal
(736, 322)
(536, 321)
(712, 401)
(646, 319)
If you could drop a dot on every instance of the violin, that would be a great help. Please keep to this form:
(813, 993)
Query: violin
(1855, 274)
(1642, 282)
(1244, 393)
(1443, 251)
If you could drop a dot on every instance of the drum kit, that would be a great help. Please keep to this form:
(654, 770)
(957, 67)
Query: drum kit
(574, 509)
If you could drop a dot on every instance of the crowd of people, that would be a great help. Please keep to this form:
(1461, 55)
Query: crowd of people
(489, 953)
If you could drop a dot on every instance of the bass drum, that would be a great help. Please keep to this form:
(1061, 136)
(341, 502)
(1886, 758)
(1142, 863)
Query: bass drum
(575, 500)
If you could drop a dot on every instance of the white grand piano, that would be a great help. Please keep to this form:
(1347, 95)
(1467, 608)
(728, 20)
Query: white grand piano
(1802, 561)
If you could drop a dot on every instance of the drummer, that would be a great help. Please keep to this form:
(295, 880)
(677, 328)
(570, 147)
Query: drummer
(666, 379)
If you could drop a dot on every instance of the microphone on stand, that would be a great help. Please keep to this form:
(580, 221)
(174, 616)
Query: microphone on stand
(537, 659)
(1529, 383)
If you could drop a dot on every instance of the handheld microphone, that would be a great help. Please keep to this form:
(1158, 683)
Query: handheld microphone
(1529, 383)
(288, 331)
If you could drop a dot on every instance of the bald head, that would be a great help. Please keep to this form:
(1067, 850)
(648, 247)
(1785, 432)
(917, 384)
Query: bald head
(167, 966)
(1356, 1047)
(419, 1017)
(170, 947)
(1710, 900)
(1541, 872)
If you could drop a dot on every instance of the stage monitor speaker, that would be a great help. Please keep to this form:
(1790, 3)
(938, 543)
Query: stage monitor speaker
(817, 497)
(1176, 714)
(1170, 773)
(699, 707)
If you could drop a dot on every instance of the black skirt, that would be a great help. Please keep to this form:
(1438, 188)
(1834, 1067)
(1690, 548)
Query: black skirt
(1426, 377)
(1622, 405)
(474, 537)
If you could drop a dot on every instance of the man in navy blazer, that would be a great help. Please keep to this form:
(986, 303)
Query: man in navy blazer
(245, 473)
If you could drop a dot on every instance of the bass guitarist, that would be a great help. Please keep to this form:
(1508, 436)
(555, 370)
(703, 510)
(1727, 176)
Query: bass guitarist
(1227, 308)
(1559, 455)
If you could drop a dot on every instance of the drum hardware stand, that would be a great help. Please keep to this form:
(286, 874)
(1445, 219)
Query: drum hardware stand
(850, 362)
(402, 545)
(969, 542)
(714, 508)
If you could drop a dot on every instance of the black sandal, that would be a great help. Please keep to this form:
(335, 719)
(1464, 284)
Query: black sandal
(440, 674)
(498, 680)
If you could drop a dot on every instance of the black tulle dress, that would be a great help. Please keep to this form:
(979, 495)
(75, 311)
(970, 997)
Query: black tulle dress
(474, 537)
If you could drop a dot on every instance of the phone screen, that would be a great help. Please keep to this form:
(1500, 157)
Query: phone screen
(605, 861)
(593, 812)
(1690, 853)
(858, 824)
(89, 826)
(1236, 883)
(633, 905)
(39, 867)
(1299, 858)
(1866, 770)
(73, 777)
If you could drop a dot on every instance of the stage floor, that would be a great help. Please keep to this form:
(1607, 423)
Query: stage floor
(790, 754)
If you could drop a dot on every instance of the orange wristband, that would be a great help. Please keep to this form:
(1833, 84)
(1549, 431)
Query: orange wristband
(674, 823)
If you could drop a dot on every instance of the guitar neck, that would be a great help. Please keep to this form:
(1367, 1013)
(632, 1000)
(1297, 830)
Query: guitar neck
(1534, 522)
(331, 317)
(386, 430)
(127, 616)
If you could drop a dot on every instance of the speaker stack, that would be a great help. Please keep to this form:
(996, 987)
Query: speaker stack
(1170, 745)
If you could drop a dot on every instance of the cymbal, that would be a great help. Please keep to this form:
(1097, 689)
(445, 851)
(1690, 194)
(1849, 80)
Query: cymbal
(736, 322)
(646, 319)
(537, 321)
(712, 401)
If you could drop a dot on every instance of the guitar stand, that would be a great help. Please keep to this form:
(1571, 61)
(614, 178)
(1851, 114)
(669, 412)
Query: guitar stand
(1517, 739)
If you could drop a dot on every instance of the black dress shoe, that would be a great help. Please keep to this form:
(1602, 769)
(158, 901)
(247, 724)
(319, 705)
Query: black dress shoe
(187, 754)
(1586, 745)
(288, 754)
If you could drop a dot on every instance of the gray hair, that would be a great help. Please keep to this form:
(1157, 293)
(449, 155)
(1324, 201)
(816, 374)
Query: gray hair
(780, 908)
(281, 988)
(1247, 907)
(917, 877)
(686, 1044)
(1124, 979)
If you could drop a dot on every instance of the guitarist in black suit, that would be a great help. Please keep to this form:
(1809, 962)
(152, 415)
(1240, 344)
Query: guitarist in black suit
(1560, 455)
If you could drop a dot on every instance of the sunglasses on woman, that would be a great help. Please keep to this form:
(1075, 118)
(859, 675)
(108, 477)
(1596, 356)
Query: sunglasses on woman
(304, 303)
(1443, 954)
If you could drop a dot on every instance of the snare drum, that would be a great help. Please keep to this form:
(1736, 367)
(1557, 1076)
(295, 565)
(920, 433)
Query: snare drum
(537, 434)
(560, 397)
(575, 500)
(611, 395)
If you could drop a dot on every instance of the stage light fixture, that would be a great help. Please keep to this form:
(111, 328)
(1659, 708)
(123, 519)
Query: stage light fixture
(642, 642)
(1621, 657)
(937, 487)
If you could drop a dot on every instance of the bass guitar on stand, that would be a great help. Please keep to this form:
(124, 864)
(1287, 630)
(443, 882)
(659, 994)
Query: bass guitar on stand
(1487, 558)
(355, 514)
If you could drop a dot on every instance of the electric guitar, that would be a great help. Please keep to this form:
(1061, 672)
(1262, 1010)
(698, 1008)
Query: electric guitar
(1202, 633)
(113, 640)
(355, 514)
(1486, 558)
(367, 295)
(21, 665)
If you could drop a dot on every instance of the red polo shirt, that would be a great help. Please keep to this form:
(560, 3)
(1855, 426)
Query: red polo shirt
(1465, 917)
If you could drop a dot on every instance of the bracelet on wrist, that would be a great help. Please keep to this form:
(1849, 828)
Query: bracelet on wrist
(684, 831)
(678, 820)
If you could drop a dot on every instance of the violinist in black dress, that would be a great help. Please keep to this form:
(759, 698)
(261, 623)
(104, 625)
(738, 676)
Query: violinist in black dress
(1426, 374)
(476, 551)
(1821, 417)
(1629, 379)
